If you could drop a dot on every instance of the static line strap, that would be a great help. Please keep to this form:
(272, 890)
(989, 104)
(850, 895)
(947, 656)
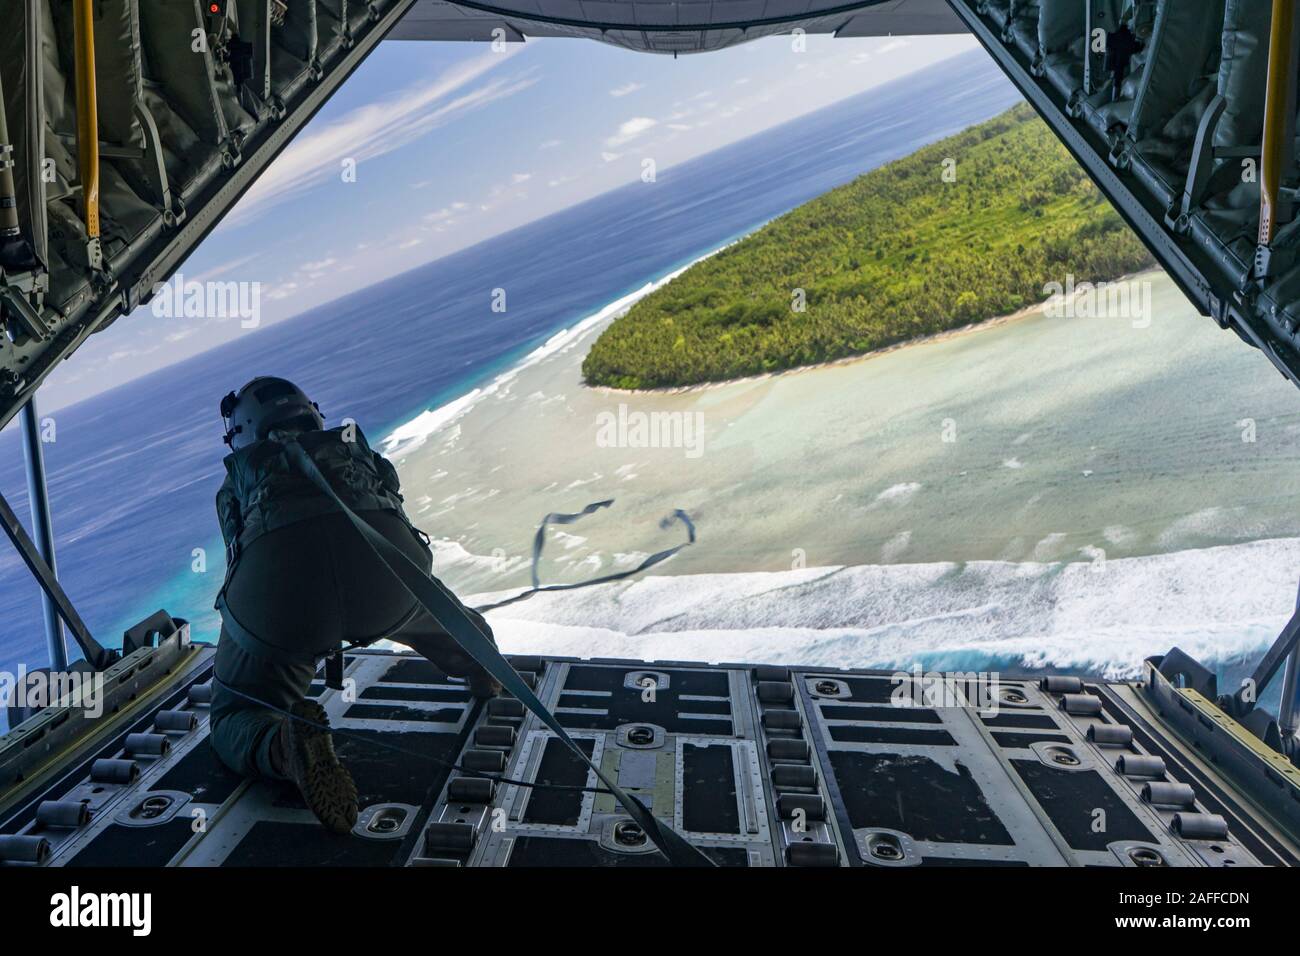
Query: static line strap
(447, 610)
(539, 542)
(539, 539)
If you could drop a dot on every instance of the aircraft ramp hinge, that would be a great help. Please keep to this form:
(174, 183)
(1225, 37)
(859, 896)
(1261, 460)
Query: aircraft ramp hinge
(21, 309)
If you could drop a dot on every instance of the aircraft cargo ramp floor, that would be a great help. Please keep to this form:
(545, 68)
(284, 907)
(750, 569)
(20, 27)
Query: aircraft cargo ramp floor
(758, 766)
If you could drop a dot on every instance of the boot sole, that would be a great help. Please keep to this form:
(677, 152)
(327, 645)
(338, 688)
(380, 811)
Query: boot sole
(325, 784)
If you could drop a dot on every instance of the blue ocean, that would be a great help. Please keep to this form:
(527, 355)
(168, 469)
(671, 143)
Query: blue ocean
(134, 471)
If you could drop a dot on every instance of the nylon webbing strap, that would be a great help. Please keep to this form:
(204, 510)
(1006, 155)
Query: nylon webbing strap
(451, 615)
(539, 542)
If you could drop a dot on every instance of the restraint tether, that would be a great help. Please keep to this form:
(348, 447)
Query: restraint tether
(453, 618)
(539, 542)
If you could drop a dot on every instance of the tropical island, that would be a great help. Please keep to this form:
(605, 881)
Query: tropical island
(964, 230)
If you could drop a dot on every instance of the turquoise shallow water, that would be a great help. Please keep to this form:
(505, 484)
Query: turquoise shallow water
(1039, 439)
(134, 471)
(1046, 492)
(1098, 502)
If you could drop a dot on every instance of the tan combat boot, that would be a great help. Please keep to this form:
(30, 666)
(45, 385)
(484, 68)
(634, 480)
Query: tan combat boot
(304, 752)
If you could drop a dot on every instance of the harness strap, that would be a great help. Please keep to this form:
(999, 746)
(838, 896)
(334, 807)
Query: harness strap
(452, 616)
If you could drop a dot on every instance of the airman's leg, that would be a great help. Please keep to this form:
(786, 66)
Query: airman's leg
(243, 731)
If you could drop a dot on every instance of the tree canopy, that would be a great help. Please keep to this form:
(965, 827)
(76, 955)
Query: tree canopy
(900, 252)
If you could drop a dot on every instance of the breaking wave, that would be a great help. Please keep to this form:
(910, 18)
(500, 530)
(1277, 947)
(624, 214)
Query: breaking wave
(1219, 604)
(417, 431)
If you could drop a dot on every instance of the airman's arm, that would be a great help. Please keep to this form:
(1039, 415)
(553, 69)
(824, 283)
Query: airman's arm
(228, 514)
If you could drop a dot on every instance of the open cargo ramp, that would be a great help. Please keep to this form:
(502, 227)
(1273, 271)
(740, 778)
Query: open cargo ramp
(758, 766)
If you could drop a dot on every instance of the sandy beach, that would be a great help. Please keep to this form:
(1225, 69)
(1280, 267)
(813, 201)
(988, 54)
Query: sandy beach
(1008, 451)
(1027, 438)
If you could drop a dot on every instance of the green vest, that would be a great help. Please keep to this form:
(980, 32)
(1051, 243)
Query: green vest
(262, 492)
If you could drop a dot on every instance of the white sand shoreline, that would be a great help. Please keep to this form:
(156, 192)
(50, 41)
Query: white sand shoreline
(1054, 531)
(849, 465)
(936, 337)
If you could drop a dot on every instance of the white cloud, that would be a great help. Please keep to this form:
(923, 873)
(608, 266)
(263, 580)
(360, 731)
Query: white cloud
(225, 268)
(893, 45)
(281, 291)
(446, 215)
(551, 144)
(502, 193)
(626, 88)
(610, 157)
(377, 129)
(630, 130)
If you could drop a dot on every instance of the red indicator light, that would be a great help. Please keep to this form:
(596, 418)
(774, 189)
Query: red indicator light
(214, 8)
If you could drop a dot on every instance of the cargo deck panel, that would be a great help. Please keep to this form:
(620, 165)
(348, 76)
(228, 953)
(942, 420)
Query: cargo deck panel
(757, 766)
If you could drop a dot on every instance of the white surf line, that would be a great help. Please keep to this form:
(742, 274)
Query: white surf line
(414, 433)
(1221, 604)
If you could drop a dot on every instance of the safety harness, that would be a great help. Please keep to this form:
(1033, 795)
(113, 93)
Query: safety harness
(442, 605)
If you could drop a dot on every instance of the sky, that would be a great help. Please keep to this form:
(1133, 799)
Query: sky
(432, 147)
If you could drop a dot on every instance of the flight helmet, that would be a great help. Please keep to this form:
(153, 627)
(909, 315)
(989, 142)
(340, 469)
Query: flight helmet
(265, 403)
